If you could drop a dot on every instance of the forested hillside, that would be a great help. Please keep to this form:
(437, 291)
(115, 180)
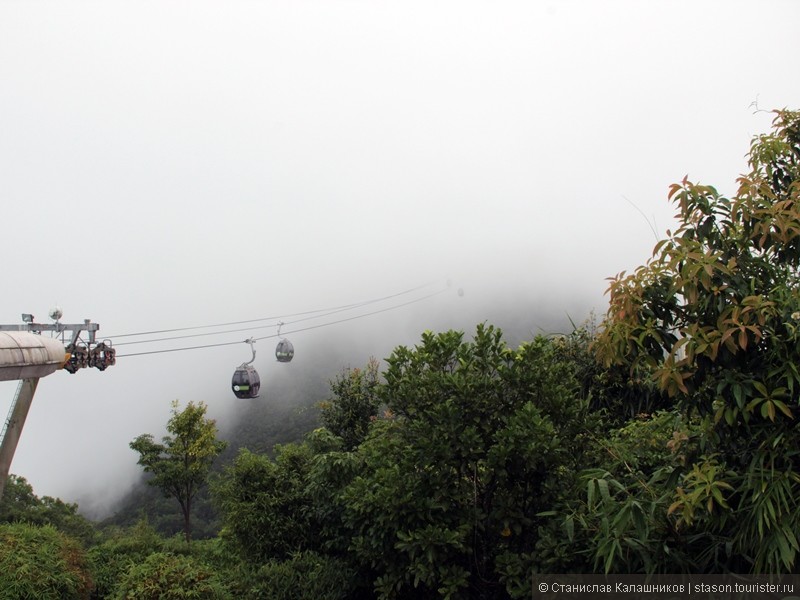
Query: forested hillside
(287, 414)
(660, 440)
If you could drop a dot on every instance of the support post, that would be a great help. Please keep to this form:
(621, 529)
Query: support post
(16, 420)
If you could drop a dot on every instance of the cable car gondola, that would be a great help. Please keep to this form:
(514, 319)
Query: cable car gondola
(246, 382)
(284, 351)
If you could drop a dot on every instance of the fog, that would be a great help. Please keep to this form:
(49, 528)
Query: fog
(170, 164)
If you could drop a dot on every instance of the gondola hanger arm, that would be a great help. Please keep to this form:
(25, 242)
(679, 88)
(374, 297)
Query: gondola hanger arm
(251, 341)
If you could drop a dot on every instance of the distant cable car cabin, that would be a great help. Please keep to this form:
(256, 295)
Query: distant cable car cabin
(284, 351)
(245, 382)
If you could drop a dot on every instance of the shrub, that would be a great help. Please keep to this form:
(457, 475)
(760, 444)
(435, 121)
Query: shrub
(164, 576)
(116, 555)
(39, 562)
(304, 576)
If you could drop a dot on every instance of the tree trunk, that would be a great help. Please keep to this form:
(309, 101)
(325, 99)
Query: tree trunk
(187, 520)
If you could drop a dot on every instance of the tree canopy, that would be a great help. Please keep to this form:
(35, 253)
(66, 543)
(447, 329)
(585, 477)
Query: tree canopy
(445, 494)
(180, 464)
(20, 504)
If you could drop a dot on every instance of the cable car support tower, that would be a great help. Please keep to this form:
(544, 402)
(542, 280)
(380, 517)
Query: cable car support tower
(27, 356)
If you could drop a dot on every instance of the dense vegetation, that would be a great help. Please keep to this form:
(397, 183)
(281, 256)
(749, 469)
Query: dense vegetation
(664, 440)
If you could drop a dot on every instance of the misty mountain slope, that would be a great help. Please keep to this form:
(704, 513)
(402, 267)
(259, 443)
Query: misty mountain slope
(287, 407)
(284, 412)
(259, 425)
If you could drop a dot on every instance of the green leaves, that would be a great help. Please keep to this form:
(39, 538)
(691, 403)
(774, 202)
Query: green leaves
(622, 517)
(485, 439)
(703, 489)
(20, 504)
(181, 463)
(43, 563)
(769, 401)
(353, 405)
(164, 576)
(712, 317)
(266, 504)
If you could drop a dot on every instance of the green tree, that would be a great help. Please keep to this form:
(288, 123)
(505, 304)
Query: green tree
(264, 503)
(20, 504)
(181, 463)
(453, 495)
(714, 318)
(280, 516)
(353, 404)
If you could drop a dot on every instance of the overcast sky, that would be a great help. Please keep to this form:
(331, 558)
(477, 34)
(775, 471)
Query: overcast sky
(167, 164)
